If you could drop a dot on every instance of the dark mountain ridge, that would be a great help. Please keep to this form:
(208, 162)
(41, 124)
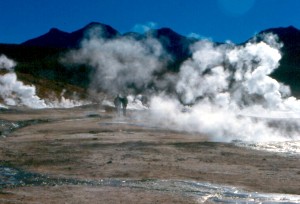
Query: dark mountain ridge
(290, 36)
(39, 57)
(60, 39)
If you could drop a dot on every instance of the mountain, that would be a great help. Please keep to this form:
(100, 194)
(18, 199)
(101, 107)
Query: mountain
(175, 44)
(54, 38)
(39, 58)
(60, 39)
(290, 36)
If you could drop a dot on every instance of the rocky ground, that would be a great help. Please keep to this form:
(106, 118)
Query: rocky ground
(87, 145)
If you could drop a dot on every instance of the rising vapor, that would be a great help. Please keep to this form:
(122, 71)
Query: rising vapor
(15, 93)
(121, 65)
(219, 91)
(221, 86)
(6, 64)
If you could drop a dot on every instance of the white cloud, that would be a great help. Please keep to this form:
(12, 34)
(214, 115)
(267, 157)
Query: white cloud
(143, 28)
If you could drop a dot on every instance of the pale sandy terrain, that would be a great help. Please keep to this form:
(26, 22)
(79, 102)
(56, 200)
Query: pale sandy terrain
(88, 143)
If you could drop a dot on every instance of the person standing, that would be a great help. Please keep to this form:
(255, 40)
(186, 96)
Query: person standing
(121, 102)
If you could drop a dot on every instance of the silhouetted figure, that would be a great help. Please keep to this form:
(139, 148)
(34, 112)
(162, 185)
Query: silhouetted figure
(121, 102)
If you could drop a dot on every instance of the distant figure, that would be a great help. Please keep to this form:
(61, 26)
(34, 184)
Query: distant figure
(121, 102)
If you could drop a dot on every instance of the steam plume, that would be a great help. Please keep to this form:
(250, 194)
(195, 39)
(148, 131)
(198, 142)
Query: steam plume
(223, 85)
(220, 91)
(120, 64)
(143, 28)
(6, 63)
(15, 93)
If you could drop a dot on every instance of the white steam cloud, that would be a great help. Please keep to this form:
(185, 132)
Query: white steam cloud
(15, 93)
(6, 64)
(121, 63)
(221, 91)
(218, 123)
(143, 28)
(231, 74)
(222, 86)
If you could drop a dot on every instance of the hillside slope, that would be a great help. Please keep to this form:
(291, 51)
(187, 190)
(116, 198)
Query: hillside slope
(40, 58)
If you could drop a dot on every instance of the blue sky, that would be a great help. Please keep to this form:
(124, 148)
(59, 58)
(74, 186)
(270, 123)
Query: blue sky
(219, 20)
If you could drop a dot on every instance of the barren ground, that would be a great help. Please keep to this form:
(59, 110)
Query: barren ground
(89, 144)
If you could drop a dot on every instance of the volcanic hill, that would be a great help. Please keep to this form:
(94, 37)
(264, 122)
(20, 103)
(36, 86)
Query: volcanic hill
(39, 59)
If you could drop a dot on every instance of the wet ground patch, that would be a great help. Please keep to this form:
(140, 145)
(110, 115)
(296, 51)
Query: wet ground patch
(14, 177)
(11, 177)
(129, 145)
(192, 145)
(7, 127)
